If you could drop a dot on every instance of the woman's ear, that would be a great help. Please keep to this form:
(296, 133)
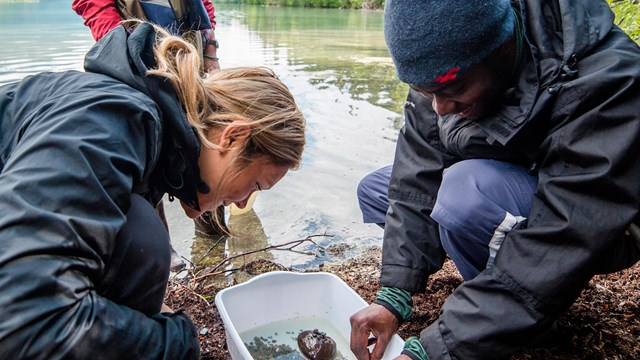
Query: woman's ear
(234, 134)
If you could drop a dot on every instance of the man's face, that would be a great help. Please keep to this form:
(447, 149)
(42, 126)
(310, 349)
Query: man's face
(472, 95)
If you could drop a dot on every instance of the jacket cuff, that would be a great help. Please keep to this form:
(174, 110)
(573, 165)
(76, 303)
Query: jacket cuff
(413, 349)
(396, 300)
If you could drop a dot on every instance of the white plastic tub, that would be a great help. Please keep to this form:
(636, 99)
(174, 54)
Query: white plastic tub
(281, 295)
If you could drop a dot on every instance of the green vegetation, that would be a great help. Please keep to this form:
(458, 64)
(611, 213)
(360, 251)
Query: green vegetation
(627, 16)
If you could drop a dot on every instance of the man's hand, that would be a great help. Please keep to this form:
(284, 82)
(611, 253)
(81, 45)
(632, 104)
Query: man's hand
(377, 320)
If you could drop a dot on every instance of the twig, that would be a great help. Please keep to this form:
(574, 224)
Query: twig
(193, 291)
(289, 246)
(211, 248)
(207, 287)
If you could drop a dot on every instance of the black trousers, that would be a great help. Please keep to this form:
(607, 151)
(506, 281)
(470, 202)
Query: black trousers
(138, 271)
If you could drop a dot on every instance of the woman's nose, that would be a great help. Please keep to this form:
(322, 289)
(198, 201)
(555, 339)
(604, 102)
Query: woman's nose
(443, 106)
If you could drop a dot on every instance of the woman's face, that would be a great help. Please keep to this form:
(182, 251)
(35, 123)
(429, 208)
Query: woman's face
(261, 174)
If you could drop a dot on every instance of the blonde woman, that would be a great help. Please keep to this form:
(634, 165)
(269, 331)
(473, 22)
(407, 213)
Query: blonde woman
(182, 17)
(85, 156)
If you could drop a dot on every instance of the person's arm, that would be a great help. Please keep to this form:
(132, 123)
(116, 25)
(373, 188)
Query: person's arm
(210, 43)
(64, 191)
(588, 193)
(99, 15)
(208, 5)
(411, 245)
(411, 248)
(210, 51)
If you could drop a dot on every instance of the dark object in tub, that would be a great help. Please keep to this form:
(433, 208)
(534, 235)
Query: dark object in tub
(316, 345)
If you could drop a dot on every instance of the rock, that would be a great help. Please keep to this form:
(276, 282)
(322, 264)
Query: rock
(316, 345)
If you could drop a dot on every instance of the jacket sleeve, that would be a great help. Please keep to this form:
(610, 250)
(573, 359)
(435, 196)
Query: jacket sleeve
(588, 194)
(64, 191)
(411, 247)
(99, 15)
(208, 5)
(426, 146)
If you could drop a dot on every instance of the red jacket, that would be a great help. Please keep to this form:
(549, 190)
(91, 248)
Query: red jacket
(102, 15)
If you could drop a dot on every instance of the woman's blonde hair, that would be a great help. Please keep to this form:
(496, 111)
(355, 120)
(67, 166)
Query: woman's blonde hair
(252, 94)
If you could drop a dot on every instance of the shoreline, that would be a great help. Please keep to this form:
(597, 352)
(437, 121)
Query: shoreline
(603, 323)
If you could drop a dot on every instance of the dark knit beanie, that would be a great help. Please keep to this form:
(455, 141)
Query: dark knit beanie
(434, 41)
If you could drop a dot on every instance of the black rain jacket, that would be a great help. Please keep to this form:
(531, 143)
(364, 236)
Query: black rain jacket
(574, 117)
(74, 146)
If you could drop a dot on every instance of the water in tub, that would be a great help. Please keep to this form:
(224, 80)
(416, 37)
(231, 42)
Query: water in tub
(278, 340)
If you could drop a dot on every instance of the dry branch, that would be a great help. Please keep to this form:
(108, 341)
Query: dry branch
(288, 246)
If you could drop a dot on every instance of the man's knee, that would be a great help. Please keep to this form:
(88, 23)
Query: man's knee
(479, 193)
(479, 201)
(363, 191)
(372, 195)
(458, 197)
(374, 186)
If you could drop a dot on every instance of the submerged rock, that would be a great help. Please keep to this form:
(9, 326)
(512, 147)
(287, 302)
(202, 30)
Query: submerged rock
(316, 345)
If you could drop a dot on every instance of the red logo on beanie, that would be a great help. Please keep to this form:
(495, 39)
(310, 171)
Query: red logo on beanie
(450, 75)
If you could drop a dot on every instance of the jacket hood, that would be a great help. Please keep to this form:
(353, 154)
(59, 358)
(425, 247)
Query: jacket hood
(127, 57)
(580, 24)
(559, 34)
(591, 21)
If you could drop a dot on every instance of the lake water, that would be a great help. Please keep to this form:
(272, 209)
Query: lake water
(337, 67)
(279, 340)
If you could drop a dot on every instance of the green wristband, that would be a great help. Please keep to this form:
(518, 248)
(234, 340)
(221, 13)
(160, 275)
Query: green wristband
(399, 299)
(413, 348)
(211, 57)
